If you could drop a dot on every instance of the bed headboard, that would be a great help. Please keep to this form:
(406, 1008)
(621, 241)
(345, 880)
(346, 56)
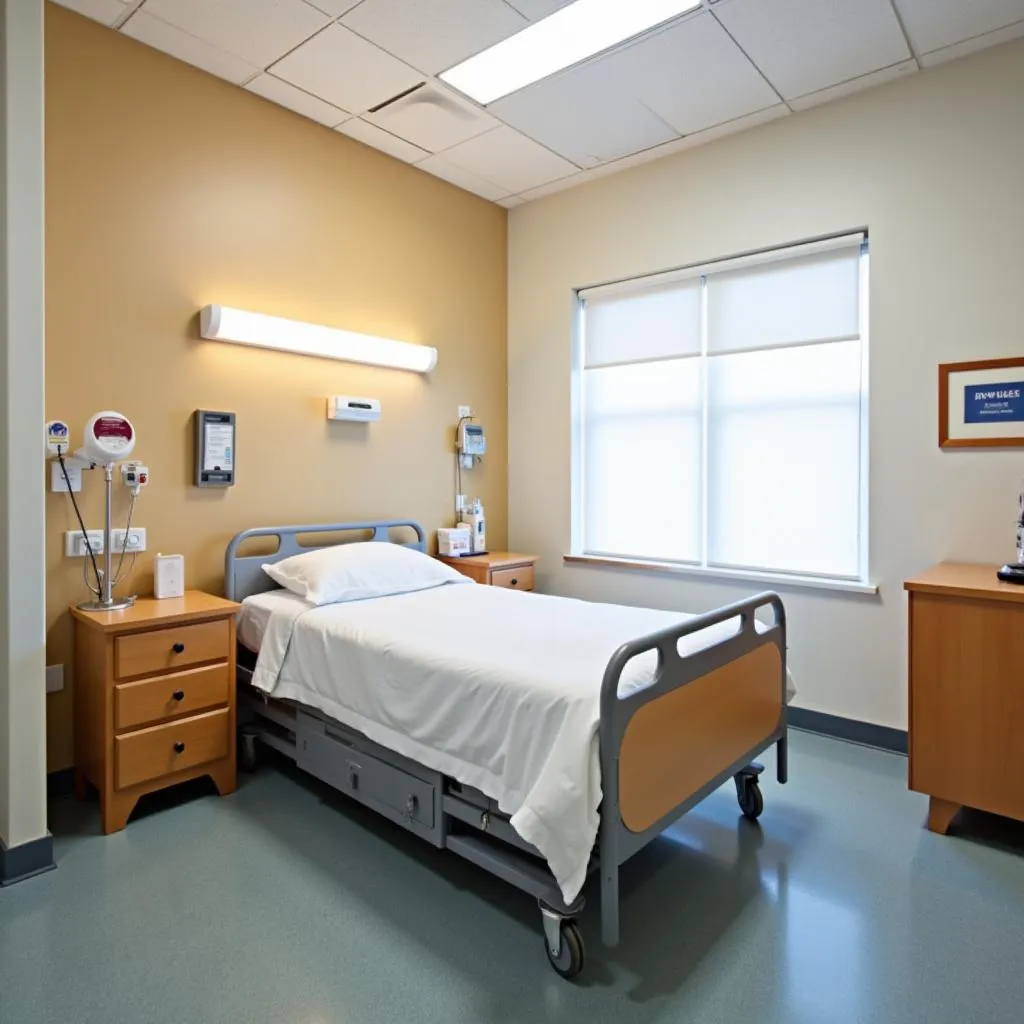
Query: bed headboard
(244, 575)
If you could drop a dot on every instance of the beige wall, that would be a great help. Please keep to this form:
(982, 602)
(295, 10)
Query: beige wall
(168, 189)
(22, 770)
(932, 165)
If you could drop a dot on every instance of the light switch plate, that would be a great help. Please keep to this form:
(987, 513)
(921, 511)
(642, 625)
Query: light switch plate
(74, 543)
(57, 481)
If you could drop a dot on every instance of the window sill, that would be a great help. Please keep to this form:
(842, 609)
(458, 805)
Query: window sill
(774, 578)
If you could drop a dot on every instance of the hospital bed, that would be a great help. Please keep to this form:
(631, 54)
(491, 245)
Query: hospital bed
(714, 698)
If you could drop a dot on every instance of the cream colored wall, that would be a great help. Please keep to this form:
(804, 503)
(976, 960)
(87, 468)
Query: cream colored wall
(932, 166)
(168, 189)
(22, 768)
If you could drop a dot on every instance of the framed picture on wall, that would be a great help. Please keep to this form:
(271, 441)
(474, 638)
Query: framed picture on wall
(981, 404)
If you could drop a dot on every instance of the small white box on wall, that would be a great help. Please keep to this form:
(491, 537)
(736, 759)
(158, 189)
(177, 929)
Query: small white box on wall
(169, 576)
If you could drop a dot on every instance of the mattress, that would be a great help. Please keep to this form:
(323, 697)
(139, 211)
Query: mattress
(496, 688)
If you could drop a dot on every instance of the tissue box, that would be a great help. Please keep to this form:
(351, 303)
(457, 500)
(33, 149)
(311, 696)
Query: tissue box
(453, 541)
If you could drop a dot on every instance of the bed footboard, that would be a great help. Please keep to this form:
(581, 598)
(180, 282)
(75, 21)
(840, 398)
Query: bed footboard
(705, 717)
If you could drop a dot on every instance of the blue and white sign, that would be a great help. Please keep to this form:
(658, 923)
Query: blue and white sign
(994, 403)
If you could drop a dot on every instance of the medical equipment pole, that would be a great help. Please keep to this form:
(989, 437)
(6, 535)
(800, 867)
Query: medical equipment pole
(107, 596)
(107, 602)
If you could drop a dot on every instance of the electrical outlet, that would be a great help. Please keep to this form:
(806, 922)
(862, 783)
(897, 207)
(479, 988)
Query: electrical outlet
(136, 540)
(54, 678)
(464, 411)
(57, 481)
(74, 543)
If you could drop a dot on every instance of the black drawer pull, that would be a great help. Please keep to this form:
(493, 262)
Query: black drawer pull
(178, 695)
(179, 747)
(178, 648)
(515, 581)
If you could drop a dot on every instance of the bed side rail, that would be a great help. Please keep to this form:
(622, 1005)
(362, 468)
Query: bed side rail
(664, 745)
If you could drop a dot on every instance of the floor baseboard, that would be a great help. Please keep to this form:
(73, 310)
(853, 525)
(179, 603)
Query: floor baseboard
(27, 860)
(865, 733)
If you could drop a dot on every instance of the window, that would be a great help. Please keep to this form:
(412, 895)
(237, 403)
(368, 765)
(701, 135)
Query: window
(721, 415)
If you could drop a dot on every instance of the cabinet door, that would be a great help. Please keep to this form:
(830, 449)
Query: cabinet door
(967, 701)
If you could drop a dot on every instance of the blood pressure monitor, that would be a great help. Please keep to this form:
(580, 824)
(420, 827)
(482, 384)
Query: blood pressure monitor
(109, 436)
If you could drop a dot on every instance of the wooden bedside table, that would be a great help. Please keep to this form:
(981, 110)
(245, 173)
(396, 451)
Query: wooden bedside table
(496, 569)
(154, 695)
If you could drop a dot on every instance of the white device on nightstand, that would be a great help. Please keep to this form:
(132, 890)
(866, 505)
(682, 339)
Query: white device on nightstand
(169, 576)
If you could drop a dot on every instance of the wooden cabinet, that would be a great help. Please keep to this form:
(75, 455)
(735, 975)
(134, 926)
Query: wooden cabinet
(154, 693)
(497, 569)
(966, 691)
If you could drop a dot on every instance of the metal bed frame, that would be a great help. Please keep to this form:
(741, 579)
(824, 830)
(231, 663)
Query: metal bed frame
(663, 749)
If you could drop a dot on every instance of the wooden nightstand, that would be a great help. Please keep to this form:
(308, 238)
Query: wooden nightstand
(497, 569)
(154, 694)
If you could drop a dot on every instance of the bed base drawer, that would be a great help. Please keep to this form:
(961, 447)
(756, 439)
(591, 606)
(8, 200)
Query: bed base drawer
(347, 765)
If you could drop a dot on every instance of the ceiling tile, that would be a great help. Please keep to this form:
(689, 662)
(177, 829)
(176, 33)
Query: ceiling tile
(537, 9)
(107, 11)
(657, 152)
(436, 35)
(968, 46)
(691, 75)
(434, 118)
(806, 45)
(271, 88)
(585, 119)
(362, 131)
(258, 31)
(510, 160)
(335, 7)
(440, 168)
(161, 36)
(835, 92)
(346, 70)
(933, 24)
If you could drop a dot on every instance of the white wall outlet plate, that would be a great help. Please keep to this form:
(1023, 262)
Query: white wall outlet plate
(57, 481)
(136, 540)
(464, 411)
(54, 678)
(74, 543)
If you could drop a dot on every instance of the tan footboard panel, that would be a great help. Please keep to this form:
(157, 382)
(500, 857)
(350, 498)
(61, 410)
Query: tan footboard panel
(678, 743)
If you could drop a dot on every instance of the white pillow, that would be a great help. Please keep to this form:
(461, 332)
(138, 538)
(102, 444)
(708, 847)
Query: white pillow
(353, 572)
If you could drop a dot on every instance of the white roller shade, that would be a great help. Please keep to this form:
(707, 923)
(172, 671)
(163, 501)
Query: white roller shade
(641, 466)
(638, 324)
(805, 298)
(784, 454)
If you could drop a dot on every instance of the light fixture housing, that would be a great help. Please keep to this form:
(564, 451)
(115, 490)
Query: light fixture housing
(242, 327)
(572, 34)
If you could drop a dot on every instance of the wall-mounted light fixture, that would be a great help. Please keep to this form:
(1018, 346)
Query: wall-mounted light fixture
(241, 327)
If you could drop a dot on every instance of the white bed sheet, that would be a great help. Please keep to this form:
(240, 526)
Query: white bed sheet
(496, 688)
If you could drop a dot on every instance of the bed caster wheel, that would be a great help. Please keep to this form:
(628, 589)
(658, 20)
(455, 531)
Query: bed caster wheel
(751, 801)
(248, 758)
(568, 961)
(748, 792)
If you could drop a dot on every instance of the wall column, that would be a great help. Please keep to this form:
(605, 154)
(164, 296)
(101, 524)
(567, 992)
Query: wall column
(25, 846)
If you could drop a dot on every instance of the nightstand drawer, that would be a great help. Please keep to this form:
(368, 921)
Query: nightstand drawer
(165, 749)
(163, 650)
(179, 693)
(518, 578)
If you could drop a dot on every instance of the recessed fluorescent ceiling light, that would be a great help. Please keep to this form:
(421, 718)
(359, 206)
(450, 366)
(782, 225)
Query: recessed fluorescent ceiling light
(566, 37)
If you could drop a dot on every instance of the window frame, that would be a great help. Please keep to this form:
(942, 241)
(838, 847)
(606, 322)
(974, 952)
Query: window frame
(859, 583)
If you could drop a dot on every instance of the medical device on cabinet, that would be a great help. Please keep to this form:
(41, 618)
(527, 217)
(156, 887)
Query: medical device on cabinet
(1013, 572)
(109, 439)
(470, 448)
